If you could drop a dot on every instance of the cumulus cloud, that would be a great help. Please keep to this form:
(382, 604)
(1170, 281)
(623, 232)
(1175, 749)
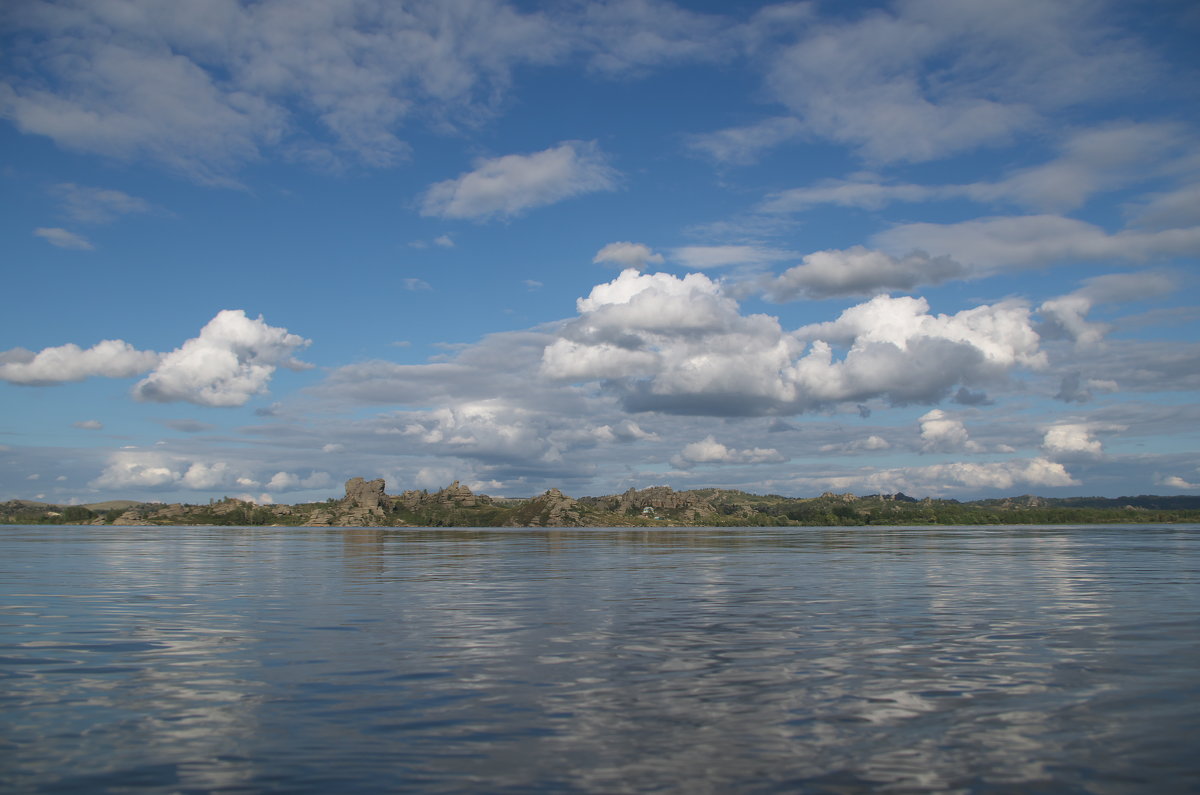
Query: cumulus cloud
(958, 476)
(510, 185)
(709, 451)
(152, 469)
(63, 363)
(1066, 316)
(941, 433)
(231, 361)
(290, 481)
(1176, 482)
(858, 271)
(135, 468)
(204, 476)
(62, 238)
(1069, 439)
(492, 430)
(681, 345)
(627, 255)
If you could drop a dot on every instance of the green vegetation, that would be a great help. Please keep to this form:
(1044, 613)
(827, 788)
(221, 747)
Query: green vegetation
(654, 507)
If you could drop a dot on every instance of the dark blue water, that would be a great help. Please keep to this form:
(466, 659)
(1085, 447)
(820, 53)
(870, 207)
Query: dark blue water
(710, 660)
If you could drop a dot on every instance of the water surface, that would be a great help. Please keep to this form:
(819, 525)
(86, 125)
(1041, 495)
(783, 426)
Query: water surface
(836, 660)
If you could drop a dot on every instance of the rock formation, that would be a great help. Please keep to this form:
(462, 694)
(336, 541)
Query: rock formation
(364, 503)
(551, 509)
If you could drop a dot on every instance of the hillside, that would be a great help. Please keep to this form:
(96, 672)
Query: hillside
(365, 504)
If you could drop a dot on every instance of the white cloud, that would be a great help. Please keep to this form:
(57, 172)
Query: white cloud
(89, 425)
(510, 185)
(865, 192)
(131, 468)
(415, 285)
(443, 241)
(231, 360)
(629, 35)
(492, 429)
(109, 358)
(999, 67)
(745, 144)
(869, 444)
(941, 433)
(212, 86)
(988, 245)
(1073, 439)
(1173, 209)
(958, 476)
(858, 271)
(203, 476)
(680, 345)
(283, 482)
(1090, 161)
(627, 255)
(709, 451)
(1176, 482)
(97, 205)
(1066, 316)
(289, 481)
(61, 238)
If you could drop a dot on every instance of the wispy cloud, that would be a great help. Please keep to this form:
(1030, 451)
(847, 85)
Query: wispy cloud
(62, 238)
(511, 185)
(91, 205)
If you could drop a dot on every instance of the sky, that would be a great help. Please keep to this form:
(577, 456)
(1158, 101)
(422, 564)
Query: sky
(943, 247)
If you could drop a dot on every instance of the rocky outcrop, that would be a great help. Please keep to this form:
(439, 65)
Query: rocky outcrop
(551, 509)
(364, 504)
(366, 494)
(456, 495)
(662, 498)
(134, 517)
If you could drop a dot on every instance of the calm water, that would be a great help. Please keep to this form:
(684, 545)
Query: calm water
(690, 660)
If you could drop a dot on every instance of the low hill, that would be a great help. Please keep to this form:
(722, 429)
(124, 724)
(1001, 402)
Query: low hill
(365, 504)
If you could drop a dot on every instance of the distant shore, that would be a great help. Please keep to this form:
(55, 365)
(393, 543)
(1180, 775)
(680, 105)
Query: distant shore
(365, 504)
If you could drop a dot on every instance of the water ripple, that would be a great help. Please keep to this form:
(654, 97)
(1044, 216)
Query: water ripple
(699, 660)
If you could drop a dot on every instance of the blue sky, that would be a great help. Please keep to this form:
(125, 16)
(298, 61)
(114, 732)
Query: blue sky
(942, 247)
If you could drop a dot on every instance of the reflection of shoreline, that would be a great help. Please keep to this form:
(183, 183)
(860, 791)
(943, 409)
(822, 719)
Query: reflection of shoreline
(697, 660)
(371, 541)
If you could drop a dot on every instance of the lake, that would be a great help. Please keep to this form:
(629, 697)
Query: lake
(823, 660)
